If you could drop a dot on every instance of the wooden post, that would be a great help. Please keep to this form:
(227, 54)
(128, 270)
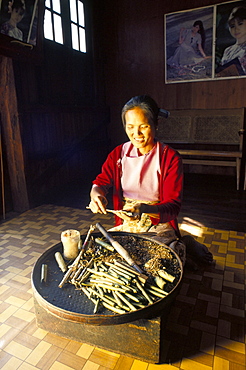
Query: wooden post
(11, 135)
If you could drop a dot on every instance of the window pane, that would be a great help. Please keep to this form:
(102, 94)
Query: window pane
(75, 41)
(47, 3)
(82, 40)
(55, 19)
(81, 13)
(48, 33)
(73, 11)
(56, 6)
(58, 29)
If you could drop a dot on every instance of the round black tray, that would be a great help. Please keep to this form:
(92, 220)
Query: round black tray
(71, 304)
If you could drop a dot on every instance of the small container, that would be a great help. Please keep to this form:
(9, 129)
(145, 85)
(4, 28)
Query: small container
(70, 240)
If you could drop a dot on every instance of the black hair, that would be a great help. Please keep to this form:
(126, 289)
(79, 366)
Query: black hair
(146, 103)
(238, 12)
(201, 31)
(18, 4)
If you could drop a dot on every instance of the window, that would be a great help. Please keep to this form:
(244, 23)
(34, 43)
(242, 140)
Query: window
(64, 23)
(78, 25)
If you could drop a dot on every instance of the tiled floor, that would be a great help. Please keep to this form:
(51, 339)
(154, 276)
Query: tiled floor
(206, 323)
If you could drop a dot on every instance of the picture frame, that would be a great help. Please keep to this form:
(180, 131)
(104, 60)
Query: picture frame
(21, 29)
(230, 52)
(183, 59)
(199, 43)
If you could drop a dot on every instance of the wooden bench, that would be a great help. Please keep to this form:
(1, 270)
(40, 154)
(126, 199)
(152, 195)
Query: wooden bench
(207, 137)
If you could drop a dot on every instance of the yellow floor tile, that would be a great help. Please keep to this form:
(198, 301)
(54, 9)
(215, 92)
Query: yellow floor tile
(24, 315)
(28, 305)
(4, 329)
(17, 350)
(14, 270)
(3, 289)
(21, 279)
(222, 249)
(31, 261)
(231, 344)
(221, 364)
(15, 301)
(108, 352)
(7, 313)
(25, 366)
(26, 271)
(161, 367)
(139, 365)
(19, 254)
(59, 366)
(230, 258)
(13, 364)
(85, 350)
(6, 278)
(90, 366)
(38, 353)
(188, 364)
(40, 333)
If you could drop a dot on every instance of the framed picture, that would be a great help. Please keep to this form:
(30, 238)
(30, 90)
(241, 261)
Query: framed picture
(206, 43)
(21, 23)
(230, 46)
(189, 45)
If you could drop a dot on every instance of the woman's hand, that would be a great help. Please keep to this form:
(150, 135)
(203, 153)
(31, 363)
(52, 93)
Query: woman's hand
(98, 204)
(98, 201)
(134, 211)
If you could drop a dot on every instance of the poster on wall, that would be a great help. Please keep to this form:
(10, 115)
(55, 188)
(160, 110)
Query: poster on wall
(18, 19)
(206, 43)
(230, 46)
(21, 29)
(189, 45)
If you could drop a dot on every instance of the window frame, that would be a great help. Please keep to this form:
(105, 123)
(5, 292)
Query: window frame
(67, 23)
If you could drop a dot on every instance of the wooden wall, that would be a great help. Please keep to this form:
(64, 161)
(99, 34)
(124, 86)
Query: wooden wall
(62, 117)
(135, 62)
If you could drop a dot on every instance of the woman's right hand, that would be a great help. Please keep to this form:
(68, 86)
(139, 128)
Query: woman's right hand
(98, 204)
(98, 201)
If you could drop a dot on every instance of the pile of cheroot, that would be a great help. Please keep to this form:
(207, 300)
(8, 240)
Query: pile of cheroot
(110, 283)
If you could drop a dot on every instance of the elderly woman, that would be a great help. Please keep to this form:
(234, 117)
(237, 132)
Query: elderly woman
(146, 176)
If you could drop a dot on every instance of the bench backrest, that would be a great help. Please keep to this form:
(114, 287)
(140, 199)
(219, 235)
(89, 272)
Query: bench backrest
(203, 126)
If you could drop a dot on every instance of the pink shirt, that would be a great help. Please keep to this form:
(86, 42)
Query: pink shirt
(140, 173)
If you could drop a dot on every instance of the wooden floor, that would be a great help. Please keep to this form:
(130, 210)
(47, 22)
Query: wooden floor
(214, 202)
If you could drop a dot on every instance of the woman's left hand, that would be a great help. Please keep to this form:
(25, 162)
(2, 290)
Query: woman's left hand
(131, 214)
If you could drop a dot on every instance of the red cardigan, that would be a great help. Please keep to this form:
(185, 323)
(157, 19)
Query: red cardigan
(171, 183)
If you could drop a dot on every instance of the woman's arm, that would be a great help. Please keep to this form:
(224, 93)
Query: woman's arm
(201, 50)
(181, 35)
(103, 182)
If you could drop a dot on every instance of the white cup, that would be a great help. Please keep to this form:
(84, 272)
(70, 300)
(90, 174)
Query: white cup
(70, 240)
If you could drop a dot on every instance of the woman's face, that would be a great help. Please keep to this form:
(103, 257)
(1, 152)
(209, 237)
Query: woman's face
(139, 130)
(196, 28)
(17, 15)
(238, 29)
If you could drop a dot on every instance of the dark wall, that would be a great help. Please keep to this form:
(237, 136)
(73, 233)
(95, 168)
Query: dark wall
(63, 114)
(134, 30)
